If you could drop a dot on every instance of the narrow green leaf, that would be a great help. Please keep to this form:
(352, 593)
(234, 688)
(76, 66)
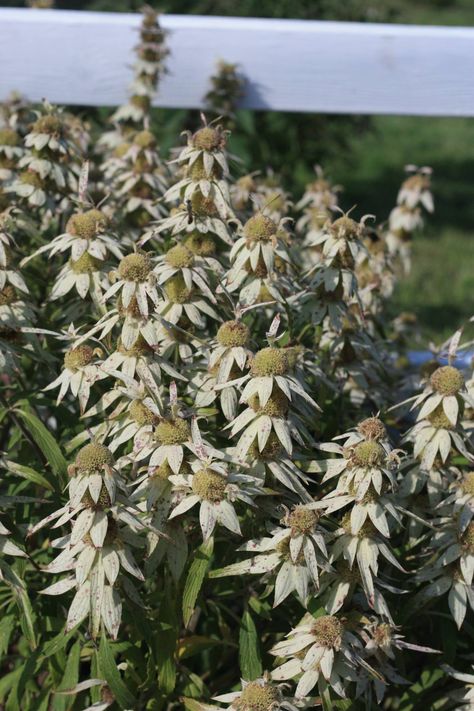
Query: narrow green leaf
(29, 474)
(58, 643)
(27, 618)
(249, 649)
(9, 680)
(193, 705)
(46, 442)
(195, 578)
(194, 644)
(7, 625)
(167, 639)
(109, 672)
(70, 678)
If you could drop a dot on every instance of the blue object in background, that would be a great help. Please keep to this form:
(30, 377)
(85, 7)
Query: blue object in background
(463, 360)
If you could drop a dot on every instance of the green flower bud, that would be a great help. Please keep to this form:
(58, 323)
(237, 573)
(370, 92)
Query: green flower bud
(93, 457)
(467, 539)
(208, 139)
(368, 454)
(328, 631)
(372, 429)
(209, 485)
(176, 290)
(439, 419)
(276, 405)
(135, 267)
(144, 139)
(270, 361)
(86, 264)
(78, 357)
(302, 520)
(9, 137)
(175, 431)
(233, 334)
(200, 244)
(447, 380)
(260, 228)
(48, 124)
(258, 697)
(7, 296)
(141, 414)
(87, 225)
(180, 257)
(467, 483)
(272, 450)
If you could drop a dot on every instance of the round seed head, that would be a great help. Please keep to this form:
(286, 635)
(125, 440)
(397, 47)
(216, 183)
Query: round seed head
(135, 267)
(133, 309)
(121, 150)
(467, 540)
(175, 431)
(276, 405)
(328, 631)
(112, 535)
(203, 206)
(78, 357)
(367, 530)
(293, 353)
(246, 183)
(272, 450)
(264, 295)
(198, 171)
(417, 182)
(47, 124)
(447, 380)
(142, 165)
(7, 295)
(302, 520)
(202, 245)
(9, 137)
(233, 334)
(87, 225)
(29, 177)
(270, 361)
(144, 139)
(93, 457)
(139, 349)
(141, 102)
(180, 257)
(164, 471)
(346, 227)
(347, 574)
(383, 635)
(467, 483)
(283, 548)
(372, 428)
(368, 454)
(208, 139)
(439, 419)
(102, 502)
(260, 228)
(258, 697)
(209, 485)
(176, 290)
(141, 414)
(86, 264)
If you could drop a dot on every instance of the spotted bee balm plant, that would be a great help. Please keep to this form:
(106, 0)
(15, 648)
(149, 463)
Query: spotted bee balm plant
(223, 485)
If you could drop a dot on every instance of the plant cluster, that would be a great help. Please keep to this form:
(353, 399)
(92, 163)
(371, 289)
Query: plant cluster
(223, 486)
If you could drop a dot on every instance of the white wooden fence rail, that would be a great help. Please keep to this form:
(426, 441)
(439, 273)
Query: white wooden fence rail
(73, 57)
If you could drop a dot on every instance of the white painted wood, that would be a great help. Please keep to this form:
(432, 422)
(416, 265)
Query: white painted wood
(84, 58)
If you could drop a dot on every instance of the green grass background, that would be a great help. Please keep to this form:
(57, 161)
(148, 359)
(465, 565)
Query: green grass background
(366, 155)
